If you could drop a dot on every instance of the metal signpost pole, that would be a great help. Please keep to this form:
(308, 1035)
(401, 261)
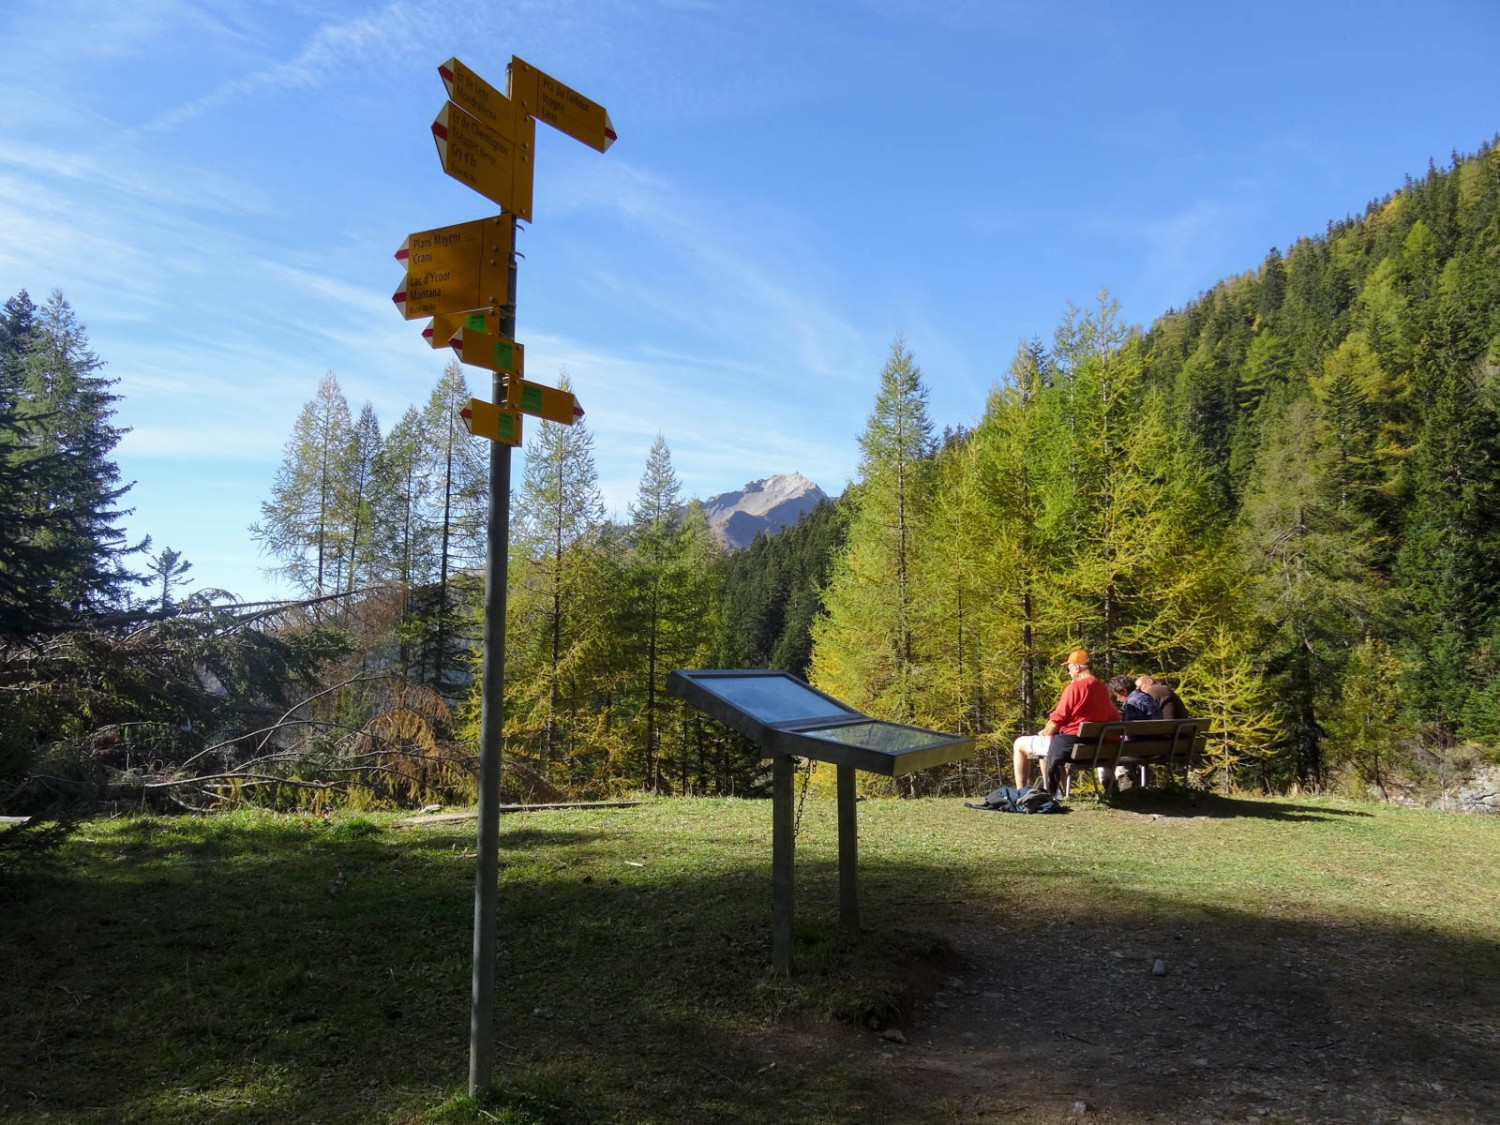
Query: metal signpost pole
(491, 726)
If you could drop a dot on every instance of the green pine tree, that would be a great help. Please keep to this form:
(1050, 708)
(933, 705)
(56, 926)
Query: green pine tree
(55, 414)
(864, 650)
(668, 618)
(1309, 559)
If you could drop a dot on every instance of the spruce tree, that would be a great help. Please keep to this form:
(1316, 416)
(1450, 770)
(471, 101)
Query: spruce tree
(1309, 562)
(1451, 559)
(669, 615)
(26, 559)
(165, 571)
(64, 557)
(864, 650)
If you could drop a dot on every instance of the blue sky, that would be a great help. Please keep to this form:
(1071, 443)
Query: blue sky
(218, 187)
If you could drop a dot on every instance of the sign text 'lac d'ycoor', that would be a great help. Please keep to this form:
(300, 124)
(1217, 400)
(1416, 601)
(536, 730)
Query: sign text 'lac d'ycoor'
(455, 269)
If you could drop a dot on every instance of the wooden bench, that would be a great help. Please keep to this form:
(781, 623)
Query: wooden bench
(1136, 745)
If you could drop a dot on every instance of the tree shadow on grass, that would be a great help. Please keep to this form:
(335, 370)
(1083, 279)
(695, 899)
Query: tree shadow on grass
(1180, 802)
(1160, 1008)
(330, 983)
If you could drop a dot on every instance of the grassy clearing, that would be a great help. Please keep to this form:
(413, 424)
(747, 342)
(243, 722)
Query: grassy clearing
(255, 967)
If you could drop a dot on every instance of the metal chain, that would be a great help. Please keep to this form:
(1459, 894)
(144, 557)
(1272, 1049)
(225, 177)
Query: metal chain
(802, 800)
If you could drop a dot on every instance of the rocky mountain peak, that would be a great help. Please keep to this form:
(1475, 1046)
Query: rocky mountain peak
(767, 505)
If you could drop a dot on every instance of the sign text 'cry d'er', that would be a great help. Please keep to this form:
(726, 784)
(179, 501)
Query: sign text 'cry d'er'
(497, 167)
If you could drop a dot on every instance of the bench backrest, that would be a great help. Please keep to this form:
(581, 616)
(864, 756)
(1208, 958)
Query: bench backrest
(1142, 738)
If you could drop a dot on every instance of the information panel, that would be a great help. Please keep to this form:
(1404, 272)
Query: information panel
(786, 717)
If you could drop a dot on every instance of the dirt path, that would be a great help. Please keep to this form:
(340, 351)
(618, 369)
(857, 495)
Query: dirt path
(1284, 1031)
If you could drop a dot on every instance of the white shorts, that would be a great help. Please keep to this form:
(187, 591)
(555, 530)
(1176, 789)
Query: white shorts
(1034, 745)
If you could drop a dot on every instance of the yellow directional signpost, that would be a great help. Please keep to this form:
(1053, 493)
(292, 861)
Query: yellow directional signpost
(495, 353)
(508, 358)
(439, 333)
(486, 420)
(497, 167)
(456, 269)
(493, 108)
(464, 277)
(549, 403)
(565, 109)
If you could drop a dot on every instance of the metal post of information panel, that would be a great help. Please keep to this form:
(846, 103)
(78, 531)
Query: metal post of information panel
(782, 844)
(491, 725)
(848, 851)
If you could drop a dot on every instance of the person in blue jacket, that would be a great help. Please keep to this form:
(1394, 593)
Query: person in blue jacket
(1134, 703)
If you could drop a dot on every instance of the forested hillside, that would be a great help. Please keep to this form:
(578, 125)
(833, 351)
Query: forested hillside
(1344, 398)
(1281, 498)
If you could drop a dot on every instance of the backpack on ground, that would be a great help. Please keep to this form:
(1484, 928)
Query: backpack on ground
(1008, 798)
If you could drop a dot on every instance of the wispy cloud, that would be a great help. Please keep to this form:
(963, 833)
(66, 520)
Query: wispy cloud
(331, 48)
(736, 273)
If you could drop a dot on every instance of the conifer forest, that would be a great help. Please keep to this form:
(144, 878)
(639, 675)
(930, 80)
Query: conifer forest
(1283, 499)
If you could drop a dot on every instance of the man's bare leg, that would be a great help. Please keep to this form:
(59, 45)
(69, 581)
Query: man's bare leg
(1021, 761)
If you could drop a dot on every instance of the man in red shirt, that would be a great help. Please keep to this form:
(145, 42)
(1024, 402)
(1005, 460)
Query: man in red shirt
(1085, 700)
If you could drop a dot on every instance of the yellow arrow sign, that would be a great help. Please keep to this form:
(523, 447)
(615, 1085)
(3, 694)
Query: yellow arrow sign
(440, 332)
(546, 99)
(495, 166)
(494, 109)
(549, 403)
(454, 269)
(495, 353)
(486, 420)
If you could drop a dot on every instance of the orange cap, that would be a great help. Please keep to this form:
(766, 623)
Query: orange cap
(1078, 656)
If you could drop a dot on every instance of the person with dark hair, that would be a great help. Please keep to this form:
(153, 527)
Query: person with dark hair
(1134, 703)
